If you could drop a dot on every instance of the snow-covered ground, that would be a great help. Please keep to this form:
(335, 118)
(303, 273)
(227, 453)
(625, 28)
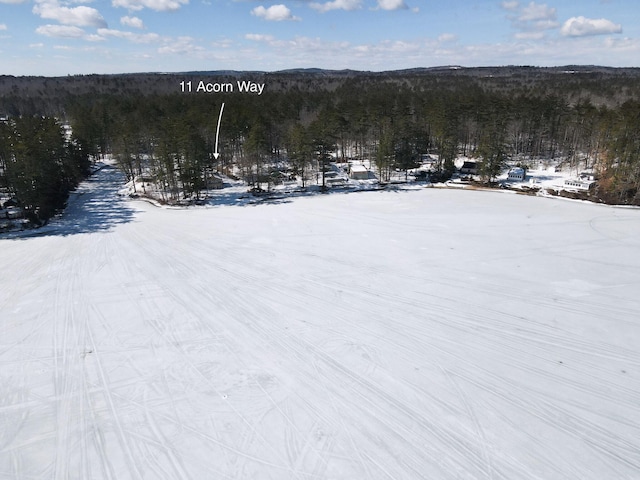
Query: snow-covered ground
(424, 334)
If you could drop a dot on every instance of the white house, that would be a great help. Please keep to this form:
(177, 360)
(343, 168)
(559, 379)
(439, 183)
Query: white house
(579, 184)
(469, 167)
(517, 174)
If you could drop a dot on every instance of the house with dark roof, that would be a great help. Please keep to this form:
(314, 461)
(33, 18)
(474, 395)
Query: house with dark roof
(470, 168)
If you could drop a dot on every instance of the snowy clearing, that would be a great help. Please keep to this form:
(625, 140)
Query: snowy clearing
(425, 334)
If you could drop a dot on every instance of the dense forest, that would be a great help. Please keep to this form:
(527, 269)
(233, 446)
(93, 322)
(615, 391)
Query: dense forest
(39, 165)
(586, 116)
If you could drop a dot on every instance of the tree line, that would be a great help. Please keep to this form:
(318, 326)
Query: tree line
(304, 119)
(389, 122)
(39, 165)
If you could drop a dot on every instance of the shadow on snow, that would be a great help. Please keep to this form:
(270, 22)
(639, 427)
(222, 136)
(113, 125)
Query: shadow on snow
(242, 199)
(94, 206)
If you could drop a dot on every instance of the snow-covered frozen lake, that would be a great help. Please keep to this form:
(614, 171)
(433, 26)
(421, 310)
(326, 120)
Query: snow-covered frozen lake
(427, 334)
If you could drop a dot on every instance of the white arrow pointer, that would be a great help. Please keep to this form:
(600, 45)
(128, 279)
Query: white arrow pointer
(216, 154)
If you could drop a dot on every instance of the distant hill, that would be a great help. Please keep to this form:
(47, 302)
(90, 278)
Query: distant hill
(601, 85)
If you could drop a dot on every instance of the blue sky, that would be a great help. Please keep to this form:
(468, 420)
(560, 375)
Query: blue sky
(61, 37)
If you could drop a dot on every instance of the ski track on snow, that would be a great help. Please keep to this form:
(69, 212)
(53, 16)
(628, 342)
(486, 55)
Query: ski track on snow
(406, 335)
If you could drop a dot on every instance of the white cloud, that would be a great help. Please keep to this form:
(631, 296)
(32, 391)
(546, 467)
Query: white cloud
(309, 51)
(510, 5)
(626, 45)
(545, 24)
(157, 5)
(536, 12)
(257, 37)
(3, 26)
(392, 5)
(78, 16)
(271, 52)
(275, 13)
(447, 37)
(530, 20)
(60, 31)
(130, 36)
(133, 22)
(529, 35)
(223, 43)
(337, 5)
(180, 46)
(581, 26)
(399, 46)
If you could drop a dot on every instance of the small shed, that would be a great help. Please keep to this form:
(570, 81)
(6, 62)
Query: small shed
(359, 172)
(517, 174)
